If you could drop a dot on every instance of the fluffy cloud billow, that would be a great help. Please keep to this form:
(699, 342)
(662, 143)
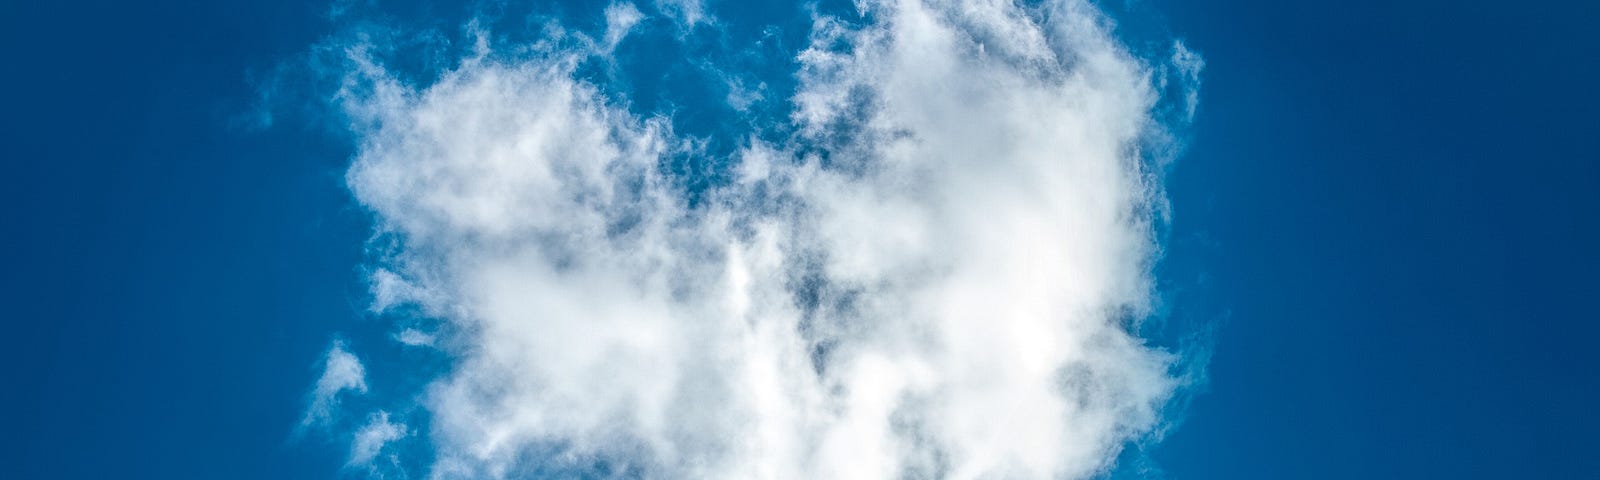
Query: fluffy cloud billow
(938, 273)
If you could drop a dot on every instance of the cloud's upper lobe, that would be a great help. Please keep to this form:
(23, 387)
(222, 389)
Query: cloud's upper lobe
(936, 274)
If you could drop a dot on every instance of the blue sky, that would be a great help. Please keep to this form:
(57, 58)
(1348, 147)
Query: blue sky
(1383, 214)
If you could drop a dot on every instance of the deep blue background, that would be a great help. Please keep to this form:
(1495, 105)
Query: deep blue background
(1403, 205)
(1392, 210)
(170, 278)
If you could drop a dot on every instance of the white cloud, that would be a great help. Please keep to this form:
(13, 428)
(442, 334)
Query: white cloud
(620, 18)
(342, 371)
(688, 13)
(1189, 64)
(945, 295)
(415, 338)
(372, 437)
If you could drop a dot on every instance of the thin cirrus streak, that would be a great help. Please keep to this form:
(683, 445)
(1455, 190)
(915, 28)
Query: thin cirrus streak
(932, 277)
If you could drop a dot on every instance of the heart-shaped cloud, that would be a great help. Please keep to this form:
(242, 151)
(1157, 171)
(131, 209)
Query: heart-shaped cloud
(935, 276)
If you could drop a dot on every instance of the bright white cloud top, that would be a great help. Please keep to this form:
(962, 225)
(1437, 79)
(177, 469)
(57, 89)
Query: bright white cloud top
(934, 278)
